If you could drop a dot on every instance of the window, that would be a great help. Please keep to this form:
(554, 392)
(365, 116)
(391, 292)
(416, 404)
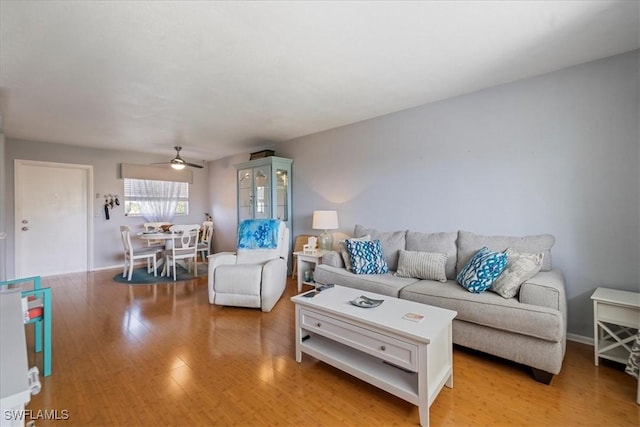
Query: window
(155, 200)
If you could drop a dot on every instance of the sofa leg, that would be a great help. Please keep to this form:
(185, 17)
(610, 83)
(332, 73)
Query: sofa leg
(541, 376)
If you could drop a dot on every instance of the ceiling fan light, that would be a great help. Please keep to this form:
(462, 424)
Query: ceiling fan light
(177, 166)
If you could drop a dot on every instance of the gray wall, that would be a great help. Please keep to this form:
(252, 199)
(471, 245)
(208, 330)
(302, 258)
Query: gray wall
(106, 177)
(223, 197)
(554, 154)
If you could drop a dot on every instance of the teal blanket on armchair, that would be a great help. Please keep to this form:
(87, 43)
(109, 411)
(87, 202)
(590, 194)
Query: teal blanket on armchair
(258, 234)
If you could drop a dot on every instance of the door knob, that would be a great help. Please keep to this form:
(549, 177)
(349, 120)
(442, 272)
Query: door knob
(25, 228)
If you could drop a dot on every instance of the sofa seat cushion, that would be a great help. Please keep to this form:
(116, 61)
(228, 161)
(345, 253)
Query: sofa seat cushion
(384, 284)
(489, 309)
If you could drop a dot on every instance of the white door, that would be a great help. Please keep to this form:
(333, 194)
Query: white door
(53, 218)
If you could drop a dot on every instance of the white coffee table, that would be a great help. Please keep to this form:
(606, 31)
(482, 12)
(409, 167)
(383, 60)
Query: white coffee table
(412, 360)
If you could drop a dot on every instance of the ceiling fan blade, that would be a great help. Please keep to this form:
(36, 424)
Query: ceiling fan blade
(178, 160)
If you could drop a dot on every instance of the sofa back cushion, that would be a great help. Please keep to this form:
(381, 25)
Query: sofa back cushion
(470, 243)
(391, 242)
(444, 243)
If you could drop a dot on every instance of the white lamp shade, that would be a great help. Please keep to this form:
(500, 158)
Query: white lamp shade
(325, 220)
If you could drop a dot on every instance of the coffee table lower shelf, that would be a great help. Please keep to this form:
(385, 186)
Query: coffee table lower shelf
(346, 345)
(394, 380)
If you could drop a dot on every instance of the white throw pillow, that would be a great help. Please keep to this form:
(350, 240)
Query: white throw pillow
(345, 253)
(520, 268)
(422, 265)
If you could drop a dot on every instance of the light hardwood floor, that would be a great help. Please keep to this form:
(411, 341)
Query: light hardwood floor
(161, 355)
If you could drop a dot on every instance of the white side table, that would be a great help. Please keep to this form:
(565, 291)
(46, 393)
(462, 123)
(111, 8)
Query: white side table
(307, 261)
(616, 319)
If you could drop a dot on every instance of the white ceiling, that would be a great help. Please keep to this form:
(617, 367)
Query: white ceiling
(221, 78)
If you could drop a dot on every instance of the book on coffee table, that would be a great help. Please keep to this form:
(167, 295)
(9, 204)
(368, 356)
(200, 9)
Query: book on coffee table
(414, 317)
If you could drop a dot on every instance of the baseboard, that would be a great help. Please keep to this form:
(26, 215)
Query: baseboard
(581, 339)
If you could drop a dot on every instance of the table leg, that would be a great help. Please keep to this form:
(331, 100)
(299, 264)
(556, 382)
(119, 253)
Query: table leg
(300, 273)
(298, 333)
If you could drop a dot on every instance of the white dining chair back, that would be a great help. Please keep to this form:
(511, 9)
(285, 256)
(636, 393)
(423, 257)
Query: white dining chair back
(184, 247)
(155, 226)
(204, 247)
(132, 254)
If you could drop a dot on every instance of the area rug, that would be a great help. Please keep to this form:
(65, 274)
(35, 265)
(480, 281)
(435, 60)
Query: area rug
(141, 277)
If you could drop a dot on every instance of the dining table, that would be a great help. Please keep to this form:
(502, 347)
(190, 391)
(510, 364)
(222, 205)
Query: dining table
(168, 237)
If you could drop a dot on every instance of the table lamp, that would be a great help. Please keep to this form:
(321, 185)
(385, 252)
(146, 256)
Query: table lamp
(325, 220)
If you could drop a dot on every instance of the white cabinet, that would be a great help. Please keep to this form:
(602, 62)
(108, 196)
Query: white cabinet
(264, 189)
(616, 318)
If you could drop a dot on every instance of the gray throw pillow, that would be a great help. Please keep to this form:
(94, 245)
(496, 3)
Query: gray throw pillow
(345, 253)
(422, 265)
(520, 268)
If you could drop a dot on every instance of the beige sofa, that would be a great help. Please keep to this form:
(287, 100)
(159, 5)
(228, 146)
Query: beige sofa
(529, 329)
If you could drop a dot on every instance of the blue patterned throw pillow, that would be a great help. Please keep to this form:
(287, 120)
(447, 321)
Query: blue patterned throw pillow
(366, 257)
(482, 270)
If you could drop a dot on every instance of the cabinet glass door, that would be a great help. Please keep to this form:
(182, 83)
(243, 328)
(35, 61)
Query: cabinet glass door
(282, 188)
(245, 194)
(262, 194)
(264, 189)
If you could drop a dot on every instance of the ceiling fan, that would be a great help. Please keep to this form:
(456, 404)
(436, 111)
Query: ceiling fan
(178, 163)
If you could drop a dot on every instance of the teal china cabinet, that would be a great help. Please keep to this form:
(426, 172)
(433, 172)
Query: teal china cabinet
(264, 189)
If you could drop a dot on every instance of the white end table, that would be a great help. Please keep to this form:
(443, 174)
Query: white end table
(307, 261)
(616, 319)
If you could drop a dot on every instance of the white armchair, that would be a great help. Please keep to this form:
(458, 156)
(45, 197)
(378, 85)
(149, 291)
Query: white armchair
(257, 275)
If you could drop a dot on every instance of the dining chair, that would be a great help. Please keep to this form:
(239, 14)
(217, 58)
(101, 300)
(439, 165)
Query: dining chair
(184, 247)
(155, 226)
(37, 310)
(132, 254)
(205, 243)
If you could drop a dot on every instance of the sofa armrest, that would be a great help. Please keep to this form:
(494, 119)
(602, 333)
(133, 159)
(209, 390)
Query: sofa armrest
(545, 289)
(334, 259)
